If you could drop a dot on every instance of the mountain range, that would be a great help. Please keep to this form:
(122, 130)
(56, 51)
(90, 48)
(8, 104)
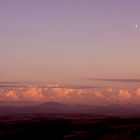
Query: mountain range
(55, 107)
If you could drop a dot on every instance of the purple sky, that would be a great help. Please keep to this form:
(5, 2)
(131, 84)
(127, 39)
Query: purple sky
(60, 41)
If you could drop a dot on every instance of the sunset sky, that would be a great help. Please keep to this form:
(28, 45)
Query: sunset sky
(71, 42)
(59, 40)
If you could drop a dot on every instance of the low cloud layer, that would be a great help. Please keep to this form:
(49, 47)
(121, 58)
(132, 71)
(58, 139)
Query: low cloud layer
(119, 80)
(64, 94)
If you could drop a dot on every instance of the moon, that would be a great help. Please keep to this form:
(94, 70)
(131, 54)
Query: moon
(136, 26)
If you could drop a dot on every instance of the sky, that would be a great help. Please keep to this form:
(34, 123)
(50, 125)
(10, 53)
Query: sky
(61, 41)
(73, 43)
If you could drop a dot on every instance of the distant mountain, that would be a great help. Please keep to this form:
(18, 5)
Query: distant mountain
(52, 104)
(55, 107)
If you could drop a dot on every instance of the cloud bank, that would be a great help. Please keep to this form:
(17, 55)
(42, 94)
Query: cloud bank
(118, 80)
(69, 94)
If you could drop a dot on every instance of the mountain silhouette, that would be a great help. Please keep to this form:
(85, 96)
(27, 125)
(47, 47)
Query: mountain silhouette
(56, 107)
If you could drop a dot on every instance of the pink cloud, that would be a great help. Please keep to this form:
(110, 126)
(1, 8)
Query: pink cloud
(69, 95)
(124, 94)
(11, 95)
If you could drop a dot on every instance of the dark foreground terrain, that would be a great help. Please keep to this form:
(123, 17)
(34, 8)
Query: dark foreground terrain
(68, 127)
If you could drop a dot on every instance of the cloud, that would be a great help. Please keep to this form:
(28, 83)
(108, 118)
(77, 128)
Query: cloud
(138, 92)
(99, 94)
(11, 95)
(68, 94)
(79, 87)
(124, 94)
(119, 80)
(33, 93)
